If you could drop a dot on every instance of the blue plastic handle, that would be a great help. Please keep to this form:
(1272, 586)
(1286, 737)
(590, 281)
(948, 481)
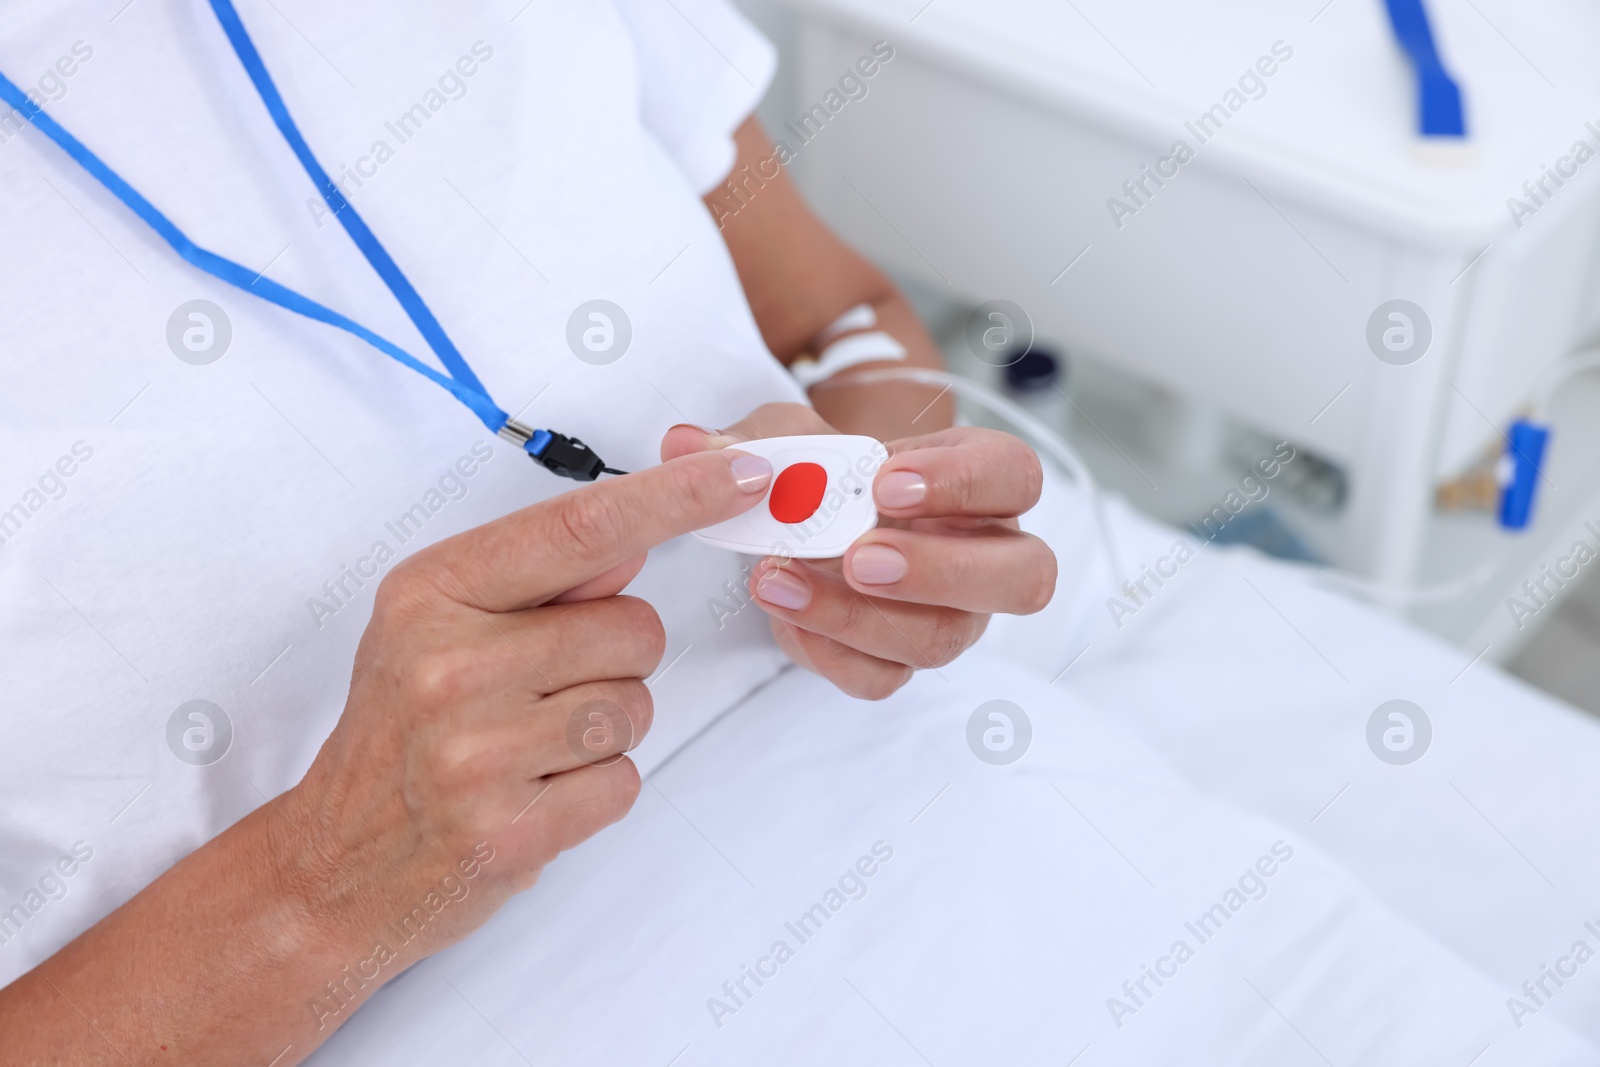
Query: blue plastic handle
(1439, 110)
(1525, 447)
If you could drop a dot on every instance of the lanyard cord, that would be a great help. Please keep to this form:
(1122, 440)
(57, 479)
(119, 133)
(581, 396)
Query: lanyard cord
(563, 455)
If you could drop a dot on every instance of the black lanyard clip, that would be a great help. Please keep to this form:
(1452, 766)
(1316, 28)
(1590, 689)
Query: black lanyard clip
(557, 453)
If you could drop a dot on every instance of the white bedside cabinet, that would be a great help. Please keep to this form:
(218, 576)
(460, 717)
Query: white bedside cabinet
(988, 157)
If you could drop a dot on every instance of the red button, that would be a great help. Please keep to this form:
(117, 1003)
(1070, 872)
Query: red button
(797, 492)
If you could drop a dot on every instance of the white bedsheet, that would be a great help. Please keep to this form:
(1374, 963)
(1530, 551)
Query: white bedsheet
(1257, 684)
(1019, 899)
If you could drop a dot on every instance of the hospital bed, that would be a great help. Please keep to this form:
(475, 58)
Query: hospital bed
(1204, 854)
(993, 159)
(934, 907)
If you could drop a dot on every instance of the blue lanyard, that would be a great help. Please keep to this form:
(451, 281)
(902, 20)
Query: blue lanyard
(563, 455)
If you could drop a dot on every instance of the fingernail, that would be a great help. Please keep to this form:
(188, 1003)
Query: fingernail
(751, 473)
(719, 438)
(901, 489)
(714, 438)
(877, 565)
(782, 589)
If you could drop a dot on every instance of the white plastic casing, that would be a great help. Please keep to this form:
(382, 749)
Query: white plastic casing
(844, 509)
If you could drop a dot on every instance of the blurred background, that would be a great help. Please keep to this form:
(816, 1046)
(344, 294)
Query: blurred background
(1182, 234)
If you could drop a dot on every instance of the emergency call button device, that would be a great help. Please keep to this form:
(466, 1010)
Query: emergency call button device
(819, 500)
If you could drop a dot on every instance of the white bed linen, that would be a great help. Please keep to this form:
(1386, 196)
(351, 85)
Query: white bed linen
(1019, 899)
(1257, 683)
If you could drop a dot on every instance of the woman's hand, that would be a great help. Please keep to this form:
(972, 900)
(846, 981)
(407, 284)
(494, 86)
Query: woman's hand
(494, 693)
(918, 590)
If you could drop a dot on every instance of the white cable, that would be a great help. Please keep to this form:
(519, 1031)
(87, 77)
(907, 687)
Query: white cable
(1407, 595)
(1057, 448)
(1052, 444)
(1045, 438)
(1560, 371)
